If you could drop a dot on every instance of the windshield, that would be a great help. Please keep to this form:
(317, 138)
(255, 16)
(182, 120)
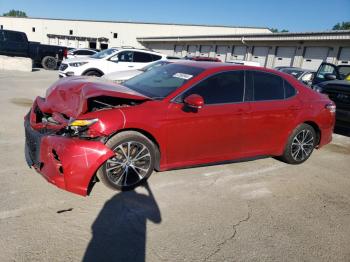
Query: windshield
(163, 80)
(154, 65)
(104, 53)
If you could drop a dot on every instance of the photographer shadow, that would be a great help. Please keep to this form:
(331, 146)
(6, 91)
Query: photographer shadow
(119, 231)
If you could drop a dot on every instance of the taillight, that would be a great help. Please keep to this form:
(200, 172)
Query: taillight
(331, 107)
(65, 52)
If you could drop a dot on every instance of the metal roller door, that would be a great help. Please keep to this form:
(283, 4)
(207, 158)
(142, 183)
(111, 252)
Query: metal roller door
(221, 52)
(284, 56)
(344, 56)
(62, 42)
(238, 52)
(205, 50)
(178, 50)
(191, 50)
(260, 54)
(314, 56)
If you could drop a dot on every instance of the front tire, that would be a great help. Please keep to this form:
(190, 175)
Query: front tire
(300, 145)
(132, 164)
(49, 63)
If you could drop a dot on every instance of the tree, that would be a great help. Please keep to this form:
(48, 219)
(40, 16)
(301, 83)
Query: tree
(275, 30)
(342, 26)
(15, 13)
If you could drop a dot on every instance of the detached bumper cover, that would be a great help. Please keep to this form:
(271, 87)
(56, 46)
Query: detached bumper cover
(68, 163)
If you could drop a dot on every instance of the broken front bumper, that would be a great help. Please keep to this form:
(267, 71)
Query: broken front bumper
(68, 163)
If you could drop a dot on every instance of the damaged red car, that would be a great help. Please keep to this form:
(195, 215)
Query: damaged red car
(183, 114)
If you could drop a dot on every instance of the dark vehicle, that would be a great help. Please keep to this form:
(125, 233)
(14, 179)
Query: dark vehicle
(303, 75)
(334, 81)
(14, 43)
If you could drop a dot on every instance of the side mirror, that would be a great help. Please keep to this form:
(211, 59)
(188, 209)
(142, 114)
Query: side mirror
(330, 77)
(194, 101)
(114, 59)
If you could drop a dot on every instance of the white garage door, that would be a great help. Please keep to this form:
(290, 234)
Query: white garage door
(178, 50)
(53, 41)
(260, 54)
(314, 56)
(284, 56)
(221, 52)
(191, 50)
(62, 42)
(238, 52)
(82, 44)
(205, 50)
(344, 56)
(71, 43)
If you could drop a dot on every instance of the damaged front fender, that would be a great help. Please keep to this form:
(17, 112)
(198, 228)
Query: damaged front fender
(70, 163)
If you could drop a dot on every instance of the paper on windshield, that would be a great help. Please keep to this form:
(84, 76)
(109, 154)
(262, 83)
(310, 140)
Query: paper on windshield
(183, 76)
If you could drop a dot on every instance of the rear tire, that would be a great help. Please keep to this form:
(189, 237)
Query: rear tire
(132, 164)
(300, 145)
(49, 63)
(93, 73)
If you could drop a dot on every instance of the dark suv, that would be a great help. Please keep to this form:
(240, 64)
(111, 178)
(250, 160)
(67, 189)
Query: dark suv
(334, 81)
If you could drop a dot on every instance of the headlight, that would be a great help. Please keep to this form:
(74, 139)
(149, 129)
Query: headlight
(78, 127)
(83, 122)
(77, 64)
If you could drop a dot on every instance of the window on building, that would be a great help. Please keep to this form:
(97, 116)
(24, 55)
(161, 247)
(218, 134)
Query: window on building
(115, 35)
(2, 27)
(226, 87)
(267, 86)
(140, 57)
(33, 29)
(71, 32)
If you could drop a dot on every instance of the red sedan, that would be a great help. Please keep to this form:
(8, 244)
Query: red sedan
(179, 115)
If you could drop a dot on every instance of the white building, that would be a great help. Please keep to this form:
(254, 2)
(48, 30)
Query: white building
(257, 44)
(103, 34)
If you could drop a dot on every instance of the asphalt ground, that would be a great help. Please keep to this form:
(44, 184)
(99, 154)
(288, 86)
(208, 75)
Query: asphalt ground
(262, 210)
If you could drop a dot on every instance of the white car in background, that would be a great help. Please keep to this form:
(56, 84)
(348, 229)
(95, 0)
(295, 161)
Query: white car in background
(80, 52)
(108, 61)
(121, 76)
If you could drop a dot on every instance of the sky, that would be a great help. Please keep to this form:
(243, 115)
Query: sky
(295, 16)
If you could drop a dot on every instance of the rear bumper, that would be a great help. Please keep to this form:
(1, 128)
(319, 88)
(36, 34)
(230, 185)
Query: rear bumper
(68, 163)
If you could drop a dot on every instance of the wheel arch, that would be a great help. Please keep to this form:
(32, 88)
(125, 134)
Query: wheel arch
(317, 129)
(93, 69)
(149, 136)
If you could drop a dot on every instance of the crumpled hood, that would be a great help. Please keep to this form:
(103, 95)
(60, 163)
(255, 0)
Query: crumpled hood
(69, 95)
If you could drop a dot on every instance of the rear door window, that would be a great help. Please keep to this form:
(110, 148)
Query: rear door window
(157, 57)
(267, 86)
(140, 57)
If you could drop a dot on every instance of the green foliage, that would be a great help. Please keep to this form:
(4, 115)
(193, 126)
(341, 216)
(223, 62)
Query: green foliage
(15, 13)
(275, 30)
(342, 26)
